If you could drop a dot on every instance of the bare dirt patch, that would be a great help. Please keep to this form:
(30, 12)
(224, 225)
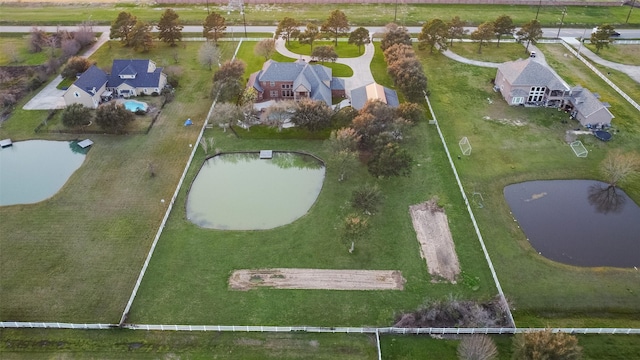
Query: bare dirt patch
(319, 279)
(436, 243)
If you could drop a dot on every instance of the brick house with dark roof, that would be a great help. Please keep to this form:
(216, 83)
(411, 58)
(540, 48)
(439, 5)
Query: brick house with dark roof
(128, 78)
(295, 80)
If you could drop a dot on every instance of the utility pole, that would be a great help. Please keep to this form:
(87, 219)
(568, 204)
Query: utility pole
(564, 12)
(538, 12)
(244, 20)
(629, 14)
(395, 12)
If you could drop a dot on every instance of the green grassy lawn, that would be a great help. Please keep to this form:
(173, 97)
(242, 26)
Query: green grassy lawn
(370, 14)
(131, 344)
(187, 278)
(544, 293)
(594, 347)
(622, 53)
(254, 63)
(491, 52)
(75, 257)
(15, 52)
(344, 49)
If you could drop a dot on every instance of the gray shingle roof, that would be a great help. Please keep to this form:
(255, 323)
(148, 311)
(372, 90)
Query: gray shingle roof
(529, 72)
(90, 79)
(585, 102)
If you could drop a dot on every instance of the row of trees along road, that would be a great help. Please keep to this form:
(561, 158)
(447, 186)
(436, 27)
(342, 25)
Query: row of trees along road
(136, 33)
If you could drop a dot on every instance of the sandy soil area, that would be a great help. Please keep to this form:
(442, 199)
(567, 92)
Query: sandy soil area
(436, 243)
(317, 279)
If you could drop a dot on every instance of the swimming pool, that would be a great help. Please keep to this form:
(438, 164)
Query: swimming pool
(134, 105)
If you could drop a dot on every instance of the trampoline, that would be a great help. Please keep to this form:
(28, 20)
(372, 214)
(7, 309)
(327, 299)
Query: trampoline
(602, 135)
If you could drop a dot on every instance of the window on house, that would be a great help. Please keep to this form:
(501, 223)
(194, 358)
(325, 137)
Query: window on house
(272, 83)
(287, 86)
(287, 93)
(536, 94)
(517, 100)
(273, 93)
(76, 94)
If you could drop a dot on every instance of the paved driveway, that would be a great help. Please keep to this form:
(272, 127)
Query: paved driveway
(50, 97)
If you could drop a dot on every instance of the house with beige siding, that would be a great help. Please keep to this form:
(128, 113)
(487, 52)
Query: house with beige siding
(128, 78)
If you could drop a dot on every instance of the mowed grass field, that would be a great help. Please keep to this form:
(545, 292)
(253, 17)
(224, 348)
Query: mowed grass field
(543, 293)
(75, 257)
(358, 14)
(187, 280)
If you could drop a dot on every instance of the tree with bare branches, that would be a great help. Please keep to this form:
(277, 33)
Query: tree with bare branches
(619, 166)
(477, 347)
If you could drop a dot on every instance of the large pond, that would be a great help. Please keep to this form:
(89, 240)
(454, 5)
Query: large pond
(243, 192)
(34, 170)
(578, 222)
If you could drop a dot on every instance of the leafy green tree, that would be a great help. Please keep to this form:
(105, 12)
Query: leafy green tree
(503, 25)
(367, 199)
(288, 28)
(394, 34)
(455, 29)
(324, 53)
(265, 48)
(309, 35)
(530, 32)
(140, 36)
(601, 38)
(122, 27)
(76, 65)
(113, 118)
(336, 25)
(76, 115)
(390, 160)
(227, 81)
(434, 33)
(214, 27)
(546, 345)
(312, 115)
(169, 27)
(411, 112)
(359, 37)
(483, 33)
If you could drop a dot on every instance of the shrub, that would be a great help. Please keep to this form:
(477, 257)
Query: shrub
(113, 118)
(543, 345)
(366, 199)
(477, 347)
(76, 115)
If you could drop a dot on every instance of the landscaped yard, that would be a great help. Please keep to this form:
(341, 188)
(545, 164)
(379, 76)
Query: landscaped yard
(507, 51)
(344, 49)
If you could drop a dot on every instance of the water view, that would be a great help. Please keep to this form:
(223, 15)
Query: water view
(243, 192)
(578, 222)
(34, 170)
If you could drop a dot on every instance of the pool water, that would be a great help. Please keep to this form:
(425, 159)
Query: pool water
(240, 191)
(134, 105)
(34, 170)
(578, 222)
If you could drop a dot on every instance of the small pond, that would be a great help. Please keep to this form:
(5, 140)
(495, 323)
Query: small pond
(578, 222)
(240, 191)
(34, 170)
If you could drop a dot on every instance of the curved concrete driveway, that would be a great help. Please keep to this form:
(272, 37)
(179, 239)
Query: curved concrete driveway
(360, 65)
(50, 97)
(632, 70)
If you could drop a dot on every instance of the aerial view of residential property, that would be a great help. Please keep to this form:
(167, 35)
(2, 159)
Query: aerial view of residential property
(320, 179)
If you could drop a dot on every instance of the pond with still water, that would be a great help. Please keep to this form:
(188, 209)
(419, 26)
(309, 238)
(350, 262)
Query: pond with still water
(34, 170)
(578, 222)
(243, 192)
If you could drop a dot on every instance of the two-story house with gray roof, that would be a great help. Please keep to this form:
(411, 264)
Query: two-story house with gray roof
(530, 83)
(295, 80)
(128, 78)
